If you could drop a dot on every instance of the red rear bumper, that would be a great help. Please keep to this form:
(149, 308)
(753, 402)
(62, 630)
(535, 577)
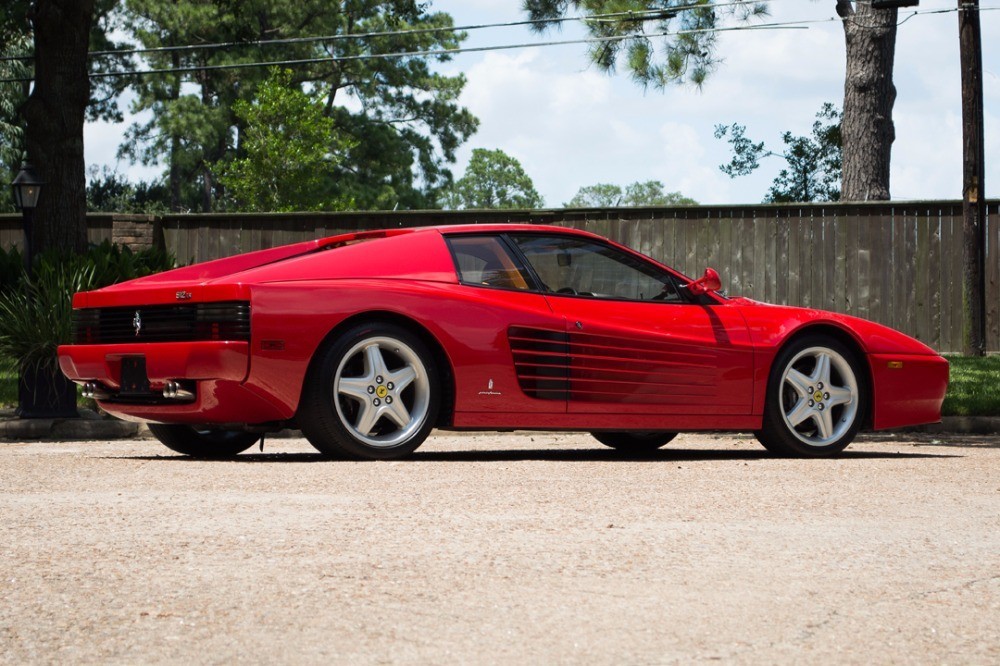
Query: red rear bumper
(164, 361)
(216, 370)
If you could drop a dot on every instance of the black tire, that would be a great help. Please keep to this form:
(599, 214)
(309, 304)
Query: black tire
(371, 394)
(817, 398)
(634, 442)
(206, 443)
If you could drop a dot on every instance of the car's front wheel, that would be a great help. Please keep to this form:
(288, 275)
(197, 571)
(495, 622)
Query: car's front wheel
(634, 442)
(203, 442)
(373, 393)
(816, 398)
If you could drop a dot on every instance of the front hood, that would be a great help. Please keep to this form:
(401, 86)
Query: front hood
(773, 324)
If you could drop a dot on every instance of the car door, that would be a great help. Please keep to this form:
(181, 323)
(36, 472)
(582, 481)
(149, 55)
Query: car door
(505, 333)
(636, 344)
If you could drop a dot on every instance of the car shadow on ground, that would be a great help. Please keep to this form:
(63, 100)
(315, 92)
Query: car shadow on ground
(554, 455)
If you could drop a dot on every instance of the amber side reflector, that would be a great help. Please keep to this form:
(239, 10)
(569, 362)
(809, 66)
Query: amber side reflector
(272, 345)
(895, 365)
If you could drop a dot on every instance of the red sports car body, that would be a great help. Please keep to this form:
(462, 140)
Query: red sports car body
(367, 341)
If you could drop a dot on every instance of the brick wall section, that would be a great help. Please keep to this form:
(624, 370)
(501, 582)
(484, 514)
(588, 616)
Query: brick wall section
(138, 232)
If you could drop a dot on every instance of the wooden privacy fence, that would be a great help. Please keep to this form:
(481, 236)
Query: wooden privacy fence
(897, 263)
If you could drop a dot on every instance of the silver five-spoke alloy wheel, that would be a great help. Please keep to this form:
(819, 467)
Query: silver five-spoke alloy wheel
(381, 391)
(819, 396)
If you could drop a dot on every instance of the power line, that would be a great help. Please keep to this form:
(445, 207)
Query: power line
(434, 52)
(441, 52)
(645, 15)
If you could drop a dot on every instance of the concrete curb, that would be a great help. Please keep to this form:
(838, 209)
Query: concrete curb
(89, 425)
(85, 428)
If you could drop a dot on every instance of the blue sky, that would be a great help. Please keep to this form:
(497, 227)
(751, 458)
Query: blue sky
(571, 125)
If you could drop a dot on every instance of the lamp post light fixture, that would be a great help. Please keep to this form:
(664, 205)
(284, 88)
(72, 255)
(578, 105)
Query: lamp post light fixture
(42, 392)
(27, 187)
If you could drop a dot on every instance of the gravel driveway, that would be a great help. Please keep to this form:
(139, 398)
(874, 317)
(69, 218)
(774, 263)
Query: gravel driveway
(523, 548)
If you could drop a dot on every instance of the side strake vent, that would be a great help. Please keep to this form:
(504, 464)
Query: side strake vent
(583, 367)
(541, 360)
(639, 370)
(196, 322)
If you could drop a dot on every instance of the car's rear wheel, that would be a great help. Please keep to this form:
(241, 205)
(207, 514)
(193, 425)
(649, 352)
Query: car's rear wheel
(816, 398)
(373, 393)
(634, 442)
(200, 442)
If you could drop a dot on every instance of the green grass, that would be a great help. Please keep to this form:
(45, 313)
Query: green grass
(973, 390)
(973, 387)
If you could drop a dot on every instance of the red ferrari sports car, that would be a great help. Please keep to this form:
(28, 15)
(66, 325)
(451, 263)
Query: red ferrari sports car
(367, 341)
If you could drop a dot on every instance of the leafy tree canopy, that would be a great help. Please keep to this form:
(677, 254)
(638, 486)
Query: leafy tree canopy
(12, 96)
(290, 152)
(812, 168)
(686, 56)
(493, 179)
(401, 121)
(606, 195)
(110, 192)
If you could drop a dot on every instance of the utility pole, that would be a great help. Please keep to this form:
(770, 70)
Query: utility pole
(973, 175)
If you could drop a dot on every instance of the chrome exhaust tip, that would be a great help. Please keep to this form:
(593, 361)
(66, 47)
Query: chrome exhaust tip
(174, 391)
(94, 391)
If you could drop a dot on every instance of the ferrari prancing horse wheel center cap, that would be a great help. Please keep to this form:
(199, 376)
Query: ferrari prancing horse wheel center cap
(381, 391)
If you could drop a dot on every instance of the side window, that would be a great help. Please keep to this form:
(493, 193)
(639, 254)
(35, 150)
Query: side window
(483, 260)
(581, 267)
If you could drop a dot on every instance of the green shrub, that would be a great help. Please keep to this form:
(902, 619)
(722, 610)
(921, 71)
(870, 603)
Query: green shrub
(36, 313)
(35, 318)
(11, 268)
(111, 263)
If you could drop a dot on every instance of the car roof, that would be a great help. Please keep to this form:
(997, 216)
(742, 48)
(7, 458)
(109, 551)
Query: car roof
(453, 229)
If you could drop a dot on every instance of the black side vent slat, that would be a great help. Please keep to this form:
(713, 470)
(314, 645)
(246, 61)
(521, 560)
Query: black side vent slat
(541, 360)
(193, 322)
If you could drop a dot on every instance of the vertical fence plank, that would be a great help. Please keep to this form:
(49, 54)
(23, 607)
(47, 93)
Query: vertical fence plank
(993, 277)
(737, 285)
(809, 255)
(909, 269)
(794, 294)
(781, 263)
(933, 285)
(885, 258)
(900, 258)
(921, 255)
(840, 265)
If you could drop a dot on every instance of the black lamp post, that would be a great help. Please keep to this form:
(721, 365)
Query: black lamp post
(40, 393)
(27, 187)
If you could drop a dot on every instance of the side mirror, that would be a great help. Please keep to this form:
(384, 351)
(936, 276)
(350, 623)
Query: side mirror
(708, 282)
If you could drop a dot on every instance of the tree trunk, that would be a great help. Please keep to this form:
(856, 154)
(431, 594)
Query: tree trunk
(54, 114)
(973, 185)
(869, 95)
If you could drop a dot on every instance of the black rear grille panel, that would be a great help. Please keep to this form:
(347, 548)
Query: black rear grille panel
(192, 322)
